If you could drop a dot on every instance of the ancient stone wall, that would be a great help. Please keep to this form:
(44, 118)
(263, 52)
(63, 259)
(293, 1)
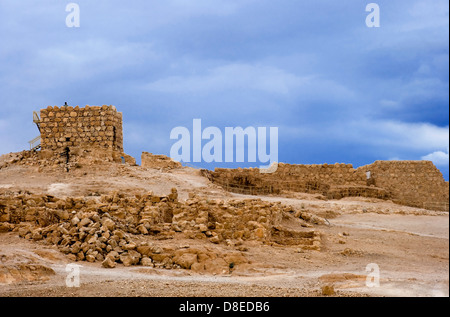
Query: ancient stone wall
(411, 183)
(298, 178)
(88, 127)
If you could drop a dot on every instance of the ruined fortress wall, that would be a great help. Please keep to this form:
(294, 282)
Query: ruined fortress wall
(411, 183)
(299, 178)
(88, 127)
(329, 174)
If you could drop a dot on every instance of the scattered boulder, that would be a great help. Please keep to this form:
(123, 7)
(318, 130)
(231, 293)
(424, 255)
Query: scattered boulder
(145, 261)
(108, 263)
(328, 290)
(185, 260)
(130, 258)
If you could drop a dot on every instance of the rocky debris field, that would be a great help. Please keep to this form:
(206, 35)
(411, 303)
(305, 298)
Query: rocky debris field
(109, 229)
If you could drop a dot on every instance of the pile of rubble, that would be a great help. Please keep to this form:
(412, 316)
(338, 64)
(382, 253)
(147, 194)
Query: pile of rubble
(149, 160)
(19, 158)
(78, 158)
(111, 228)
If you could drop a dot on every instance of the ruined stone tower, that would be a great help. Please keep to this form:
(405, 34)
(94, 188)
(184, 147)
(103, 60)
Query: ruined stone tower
(92, 128)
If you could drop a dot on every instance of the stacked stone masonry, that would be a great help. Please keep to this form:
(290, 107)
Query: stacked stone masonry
(411, 183)
(88, 127)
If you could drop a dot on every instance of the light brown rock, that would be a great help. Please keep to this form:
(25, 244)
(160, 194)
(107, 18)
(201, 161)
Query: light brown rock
(108, 263)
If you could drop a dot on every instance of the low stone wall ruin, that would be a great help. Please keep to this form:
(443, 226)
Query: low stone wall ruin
(411, 183)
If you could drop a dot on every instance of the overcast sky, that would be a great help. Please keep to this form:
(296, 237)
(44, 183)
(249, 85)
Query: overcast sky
(337, 90)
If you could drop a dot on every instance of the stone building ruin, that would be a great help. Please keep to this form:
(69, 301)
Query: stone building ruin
(94, 129)
(99, 127)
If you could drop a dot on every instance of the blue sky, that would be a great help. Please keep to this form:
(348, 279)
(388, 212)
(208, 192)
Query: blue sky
(337, 90)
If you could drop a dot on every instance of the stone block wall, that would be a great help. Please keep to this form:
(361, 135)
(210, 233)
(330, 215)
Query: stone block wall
(298, 178)
(410, 183)
(88, 127)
